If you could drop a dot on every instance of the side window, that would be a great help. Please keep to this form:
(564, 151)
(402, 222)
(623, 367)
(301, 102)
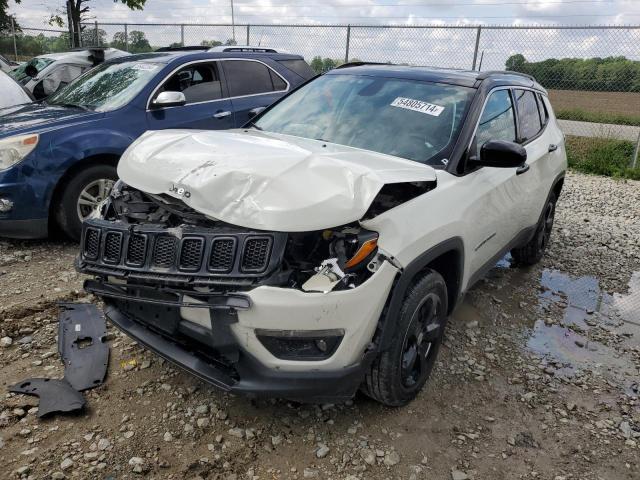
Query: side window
(544, 115)
(530, 124)
(249, 78)
(198, 82)
(497, 121)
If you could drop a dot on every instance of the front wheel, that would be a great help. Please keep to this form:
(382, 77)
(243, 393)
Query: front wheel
(81, 196)
(532, 252)
(400, 372)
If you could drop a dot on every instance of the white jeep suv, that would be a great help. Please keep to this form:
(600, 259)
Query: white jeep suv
(321, 248)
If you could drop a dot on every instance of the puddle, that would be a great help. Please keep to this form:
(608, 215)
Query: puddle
(587, 315)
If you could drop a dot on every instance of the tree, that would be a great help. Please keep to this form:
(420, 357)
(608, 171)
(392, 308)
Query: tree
(119, 41)
(75, 12)
(138, 43)
(5, 18)
(515, 62)
(210, 43)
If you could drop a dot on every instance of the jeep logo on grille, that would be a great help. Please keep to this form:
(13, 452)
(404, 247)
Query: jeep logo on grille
(180, 191)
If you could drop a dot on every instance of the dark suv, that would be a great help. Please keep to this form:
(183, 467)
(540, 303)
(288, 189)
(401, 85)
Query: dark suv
(58, 157)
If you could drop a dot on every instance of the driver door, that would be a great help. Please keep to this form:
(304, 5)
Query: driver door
(207, 104)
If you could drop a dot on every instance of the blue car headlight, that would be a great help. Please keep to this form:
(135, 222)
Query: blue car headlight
(14, 149)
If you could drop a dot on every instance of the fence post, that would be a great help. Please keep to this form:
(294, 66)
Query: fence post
(475, 51)
(182, 34)
(15, 44)
(97, 36)
(248, 30)
(346, 52)
(636, 151)
(126, 37)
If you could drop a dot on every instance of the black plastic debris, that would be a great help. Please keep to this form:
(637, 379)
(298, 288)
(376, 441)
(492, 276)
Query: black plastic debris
(81, 343)
(56, 396)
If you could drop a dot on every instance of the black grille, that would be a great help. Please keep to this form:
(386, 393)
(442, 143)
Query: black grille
(91, 243)
(112, 247)
(164, 251)
(222, 255)
(255, 256)
(191, 253)
(136, 252)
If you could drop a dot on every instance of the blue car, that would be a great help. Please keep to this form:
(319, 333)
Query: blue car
(58, 157)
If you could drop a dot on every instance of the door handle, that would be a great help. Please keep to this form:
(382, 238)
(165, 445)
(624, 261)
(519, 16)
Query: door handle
(523, 169)
(255, 111)
(553, 147)
(220, 114)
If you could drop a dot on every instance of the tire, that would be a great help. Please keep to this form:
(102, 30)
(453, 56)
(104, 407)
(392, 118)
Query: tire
(93, 182)
(398, 374)
(532, 252)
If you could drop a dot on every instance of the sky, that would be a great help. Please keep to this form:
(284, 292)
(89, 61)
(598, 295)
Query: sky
(412, 12)
(449, 47)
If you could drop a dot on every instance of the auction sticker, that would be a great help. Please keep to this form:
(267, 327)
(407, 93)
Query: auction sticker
(418, 106)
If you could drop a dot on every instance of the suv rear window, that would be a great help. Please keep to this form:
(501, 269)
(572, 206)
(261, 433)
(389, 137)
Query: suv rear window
(299, 67)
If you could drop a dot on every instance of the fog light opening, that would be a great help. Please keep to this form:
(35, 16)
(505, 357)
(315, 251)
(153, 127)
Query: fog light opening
(313, 345)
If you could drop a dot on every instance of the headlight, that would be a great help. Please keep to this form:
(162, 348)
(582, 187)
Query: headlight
(14, 149)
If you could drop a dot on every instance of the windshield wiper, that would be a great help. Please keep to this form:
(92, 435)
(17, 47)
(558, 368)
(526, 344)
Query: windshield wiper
(72, 105)
(252, 124)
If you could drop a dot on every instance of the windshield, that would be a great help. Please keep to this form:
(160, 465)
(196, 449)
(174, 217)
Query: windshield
(106, 87)
(410, 119)
(40, 63)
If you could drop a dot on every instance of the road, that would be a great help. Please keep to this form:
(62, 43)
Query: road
(605, 130)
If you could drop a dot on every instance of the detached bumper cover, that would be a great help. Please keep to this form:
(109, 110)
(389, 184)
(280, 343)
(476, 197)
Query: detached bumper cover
(253, 379)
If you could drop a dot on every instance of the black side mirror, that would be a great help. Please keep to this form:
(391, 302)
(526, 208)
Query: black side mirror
(31, 71)
(501, 154)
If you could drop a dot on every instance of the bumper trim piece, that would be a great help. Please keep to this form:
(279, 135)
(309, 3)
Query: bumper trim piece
(24, 229)
(255, 379)
(218, 301)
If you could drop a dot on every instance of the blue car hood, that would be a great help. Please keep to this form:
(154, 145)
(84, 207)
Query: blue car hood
(37, 117)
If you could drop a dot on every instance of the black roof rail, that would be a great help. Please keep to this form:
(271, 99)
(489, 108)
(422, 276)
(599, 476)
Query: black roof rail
(486, 74)
(187, 48)
(359, 64)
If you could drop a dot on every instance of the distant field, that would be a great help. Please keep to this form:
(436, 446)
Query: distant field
(612, 103)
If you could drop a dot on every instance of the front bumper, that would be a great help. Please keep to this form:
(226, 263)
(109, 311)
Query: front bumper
(28, 216)
(215, 336)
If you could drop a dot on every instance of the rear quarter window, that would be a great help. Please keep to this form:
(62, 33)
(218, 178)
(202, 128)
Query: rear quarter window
(299, 67)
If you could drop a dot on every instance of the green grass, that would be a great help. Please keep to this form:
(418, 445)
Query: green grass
(598, 117)
(602, 156)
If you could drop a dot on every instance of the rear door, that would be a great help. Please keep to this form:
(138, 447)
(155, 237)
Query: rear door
(207, 103)
(252, 86)
(540, 143)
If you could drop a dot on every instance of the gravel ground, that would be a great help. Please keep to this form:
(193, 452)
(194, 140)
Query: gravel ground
(538, 379)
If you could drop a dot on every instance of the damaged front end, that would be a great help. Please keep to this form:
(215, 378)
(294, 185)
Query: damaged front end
(246, 310)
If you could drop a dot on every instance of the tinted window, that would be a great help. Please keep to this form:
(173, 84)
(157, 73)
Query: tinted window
(249, 78)
(198, 82)
(544, 115)
(497, 121)
(299, 67)
(528, 114)
(406, 118)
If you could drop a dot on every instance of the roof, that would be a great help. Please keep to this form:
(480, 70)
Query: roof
(82, 55)
(465, 78)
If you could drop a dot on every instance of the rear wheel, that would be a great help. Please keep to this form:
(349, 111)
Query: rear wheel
(400, 372)
(81, 195)
(532, 252)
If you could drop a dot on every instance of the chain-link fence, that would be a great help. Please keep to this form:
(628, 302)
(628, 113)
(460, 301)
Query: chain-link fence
(592, 73)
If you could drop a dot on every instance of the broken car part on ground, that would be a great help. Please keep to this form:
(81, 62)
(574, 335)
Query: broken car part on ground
(81, 344)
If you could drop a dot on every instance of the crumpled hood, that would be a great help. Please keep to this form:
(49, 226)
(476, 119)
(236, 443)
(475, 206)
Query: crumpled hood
(262, 180)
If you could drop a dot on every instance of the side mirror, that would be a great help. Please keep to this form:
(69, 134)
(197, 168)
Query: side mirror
(31, 71)
(169, 99)
(501, 154)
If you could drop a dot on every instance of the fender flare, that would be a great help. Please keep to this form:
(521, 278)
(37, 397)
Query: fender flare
(405, 279)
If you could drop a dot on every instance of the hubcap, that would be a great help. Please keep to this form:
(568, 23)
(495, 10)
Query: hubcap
(91, 196)
(418, 351)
